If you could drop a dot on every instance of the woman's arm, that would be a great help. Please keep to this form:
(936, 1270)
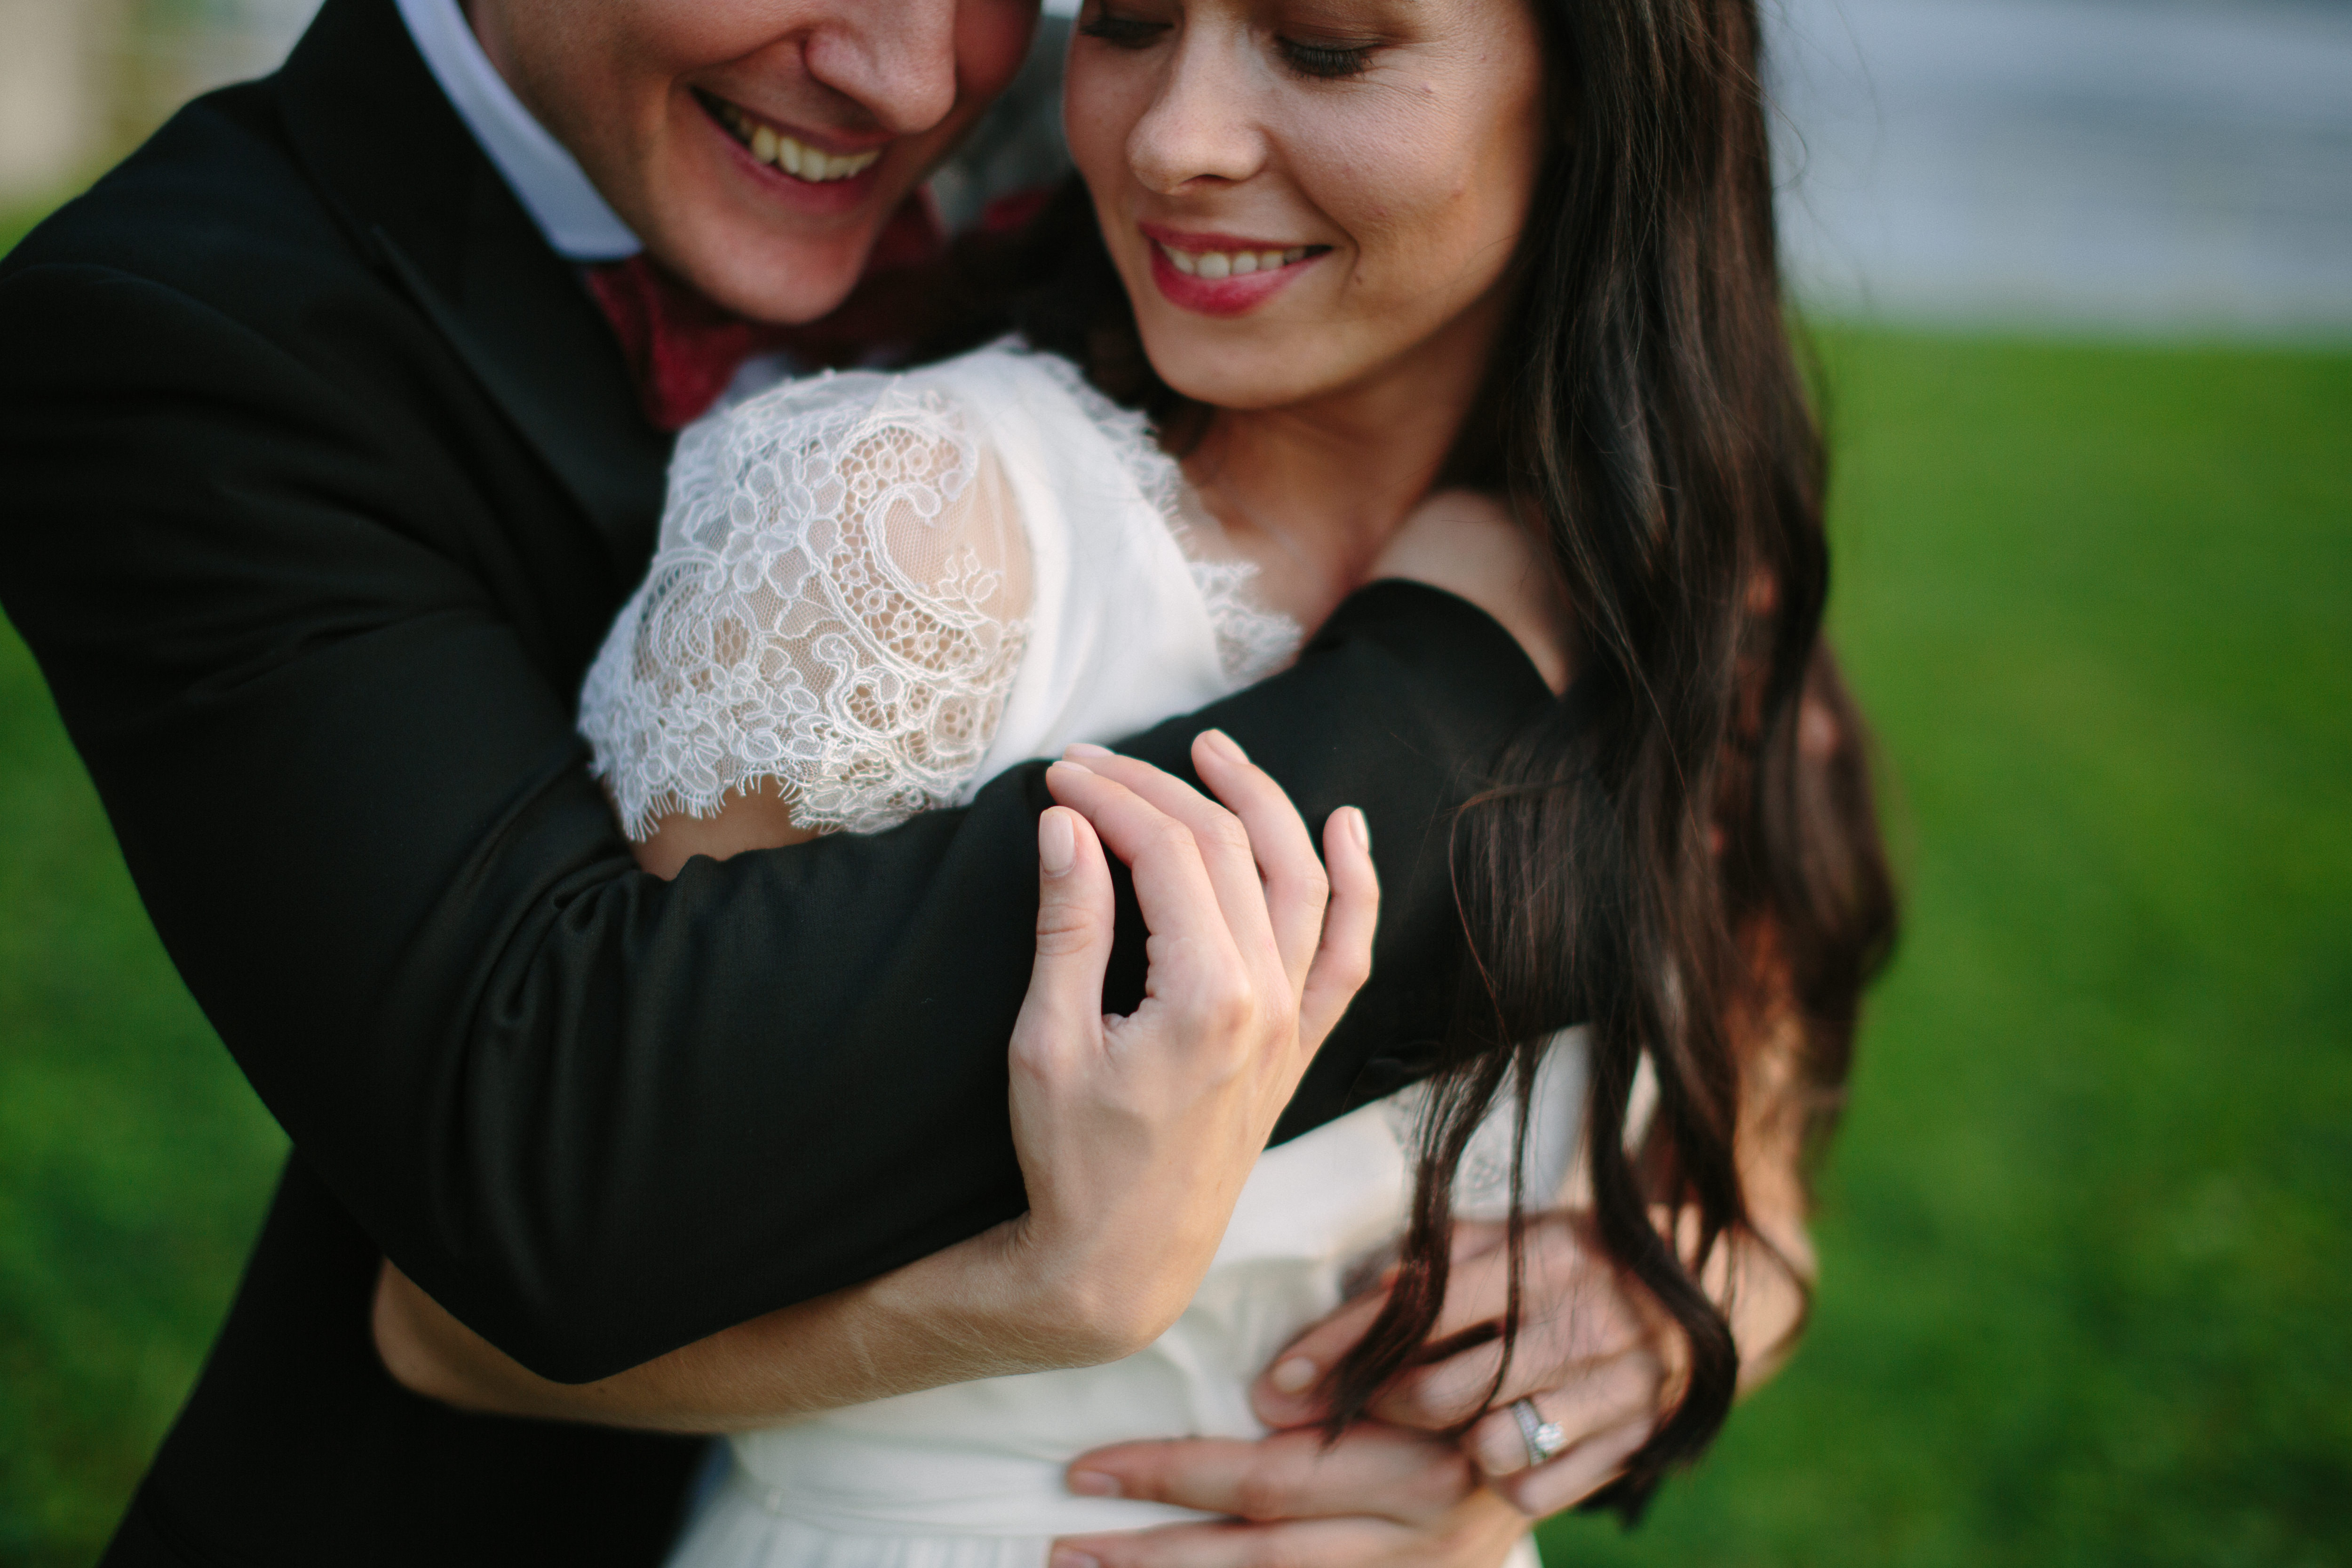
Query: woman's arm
(1135, 1135)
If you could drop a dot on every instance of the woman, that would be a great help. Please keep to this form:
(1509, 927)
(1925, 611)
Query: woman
(1481, 292)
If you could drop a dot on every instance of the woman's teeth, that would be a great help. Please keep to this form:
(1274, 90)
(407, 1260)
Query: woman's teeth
(772, 146)
(1230, 263)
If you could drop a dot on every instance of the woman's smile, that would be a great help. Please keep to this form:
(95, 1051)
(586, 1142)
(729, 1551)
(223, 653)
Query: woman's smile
(1293, 226)
(1222, 274)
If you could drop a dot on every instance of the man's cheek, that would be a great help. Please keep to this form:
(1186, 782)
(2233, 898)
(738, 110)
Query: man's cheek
(992, 39)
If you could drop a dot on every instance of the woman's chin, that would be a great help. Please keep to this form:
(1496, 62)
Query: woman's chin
(1223, 374)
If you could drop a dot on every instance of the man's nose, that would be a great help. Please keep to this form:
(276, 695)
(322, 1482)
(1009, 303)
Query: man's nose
(896, 58)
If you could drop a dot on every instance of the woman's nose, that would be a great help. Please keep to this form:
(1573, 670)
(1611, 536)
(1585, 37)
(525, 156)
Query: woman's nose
(1201, 125)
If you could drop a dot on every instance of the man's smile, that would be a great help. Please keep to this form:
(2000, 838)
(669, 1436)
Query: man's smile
(773, 145)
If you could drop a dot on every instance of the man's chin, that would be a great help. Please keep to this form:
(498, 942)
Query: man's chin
(785, 286)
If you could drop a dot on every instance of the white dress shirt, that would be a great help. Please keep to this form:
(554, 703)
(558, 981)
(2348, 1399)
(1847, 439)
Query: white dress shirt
(547, 180)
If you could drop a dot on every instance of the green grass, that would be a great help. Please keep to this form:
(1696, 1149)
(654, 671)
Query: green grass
(2086, 1270)
(134, 1160)
(2085, 1273)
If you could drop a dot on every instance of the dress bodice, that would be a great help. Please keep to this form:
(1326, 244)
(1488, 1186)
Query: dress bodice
(984, 1461)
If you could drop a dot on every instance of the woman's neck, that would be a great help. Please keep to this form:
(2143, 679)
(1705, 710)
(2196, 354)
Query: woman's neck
(1313, 492)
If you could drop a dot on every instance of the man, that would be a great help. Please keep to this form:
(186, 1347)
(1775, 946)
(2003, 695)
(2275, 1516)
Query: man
(325, 473)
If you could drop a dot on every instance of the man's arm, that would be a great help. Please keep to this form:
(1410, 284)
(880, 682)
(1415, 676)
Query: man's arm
(598, 1115)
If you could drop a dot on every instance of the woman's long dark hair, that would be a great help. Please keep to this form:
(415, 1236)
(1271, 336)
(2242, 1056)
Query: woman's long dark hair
(1685, 852)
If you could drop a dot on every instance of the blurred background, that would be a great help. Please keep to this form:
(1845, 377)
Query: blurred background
(2078, 276)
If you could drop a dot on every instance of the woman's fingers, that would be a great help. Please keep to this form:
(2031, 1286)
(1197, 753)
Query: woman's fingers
(1221, 844)
(1074, 918)
(1268, 872)
(1297, 886)
(1172, 885)
(1343, 957)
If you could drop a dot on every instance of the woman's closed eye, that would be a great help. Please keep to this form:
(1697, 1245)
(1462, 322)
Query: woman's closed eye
(1327, 60)
(1323, 58)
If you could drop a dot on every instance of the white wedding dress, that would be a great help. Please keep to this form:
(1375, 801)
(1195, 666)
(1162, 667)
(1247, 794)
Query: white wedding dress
(876, 590)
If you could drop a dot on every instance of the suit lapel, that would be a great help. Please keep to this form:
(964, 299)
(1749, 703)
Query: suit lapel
(405, 175)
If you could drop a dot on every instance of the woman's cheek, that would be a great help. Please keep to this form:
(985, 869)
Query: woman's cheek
(1096, 119)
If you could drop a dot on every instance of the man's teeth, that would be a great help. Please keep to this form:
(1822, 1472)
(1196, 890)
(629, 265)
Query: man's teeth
(1230, 263)
(772, 146)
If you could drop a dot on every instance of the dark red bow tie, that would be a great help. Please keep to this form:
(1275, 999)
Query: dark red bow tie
(684, 348)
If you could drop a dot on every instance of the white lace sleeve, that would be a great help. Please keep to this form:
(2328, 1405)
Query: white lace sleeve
(837, 605)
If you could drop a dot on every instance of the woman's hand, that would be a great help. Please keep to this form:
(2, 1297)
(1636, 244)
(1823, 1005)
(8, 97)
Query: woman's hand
(1136, 1134)
(1381, 1495)
(1472, 546)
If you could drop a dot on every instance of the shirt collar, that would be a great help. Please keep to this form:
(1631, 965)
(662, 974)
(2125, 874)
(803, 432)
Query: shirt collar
(577, 221)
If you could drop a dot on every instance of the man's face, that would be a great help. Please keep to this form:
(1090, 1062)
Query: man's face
(757, 146)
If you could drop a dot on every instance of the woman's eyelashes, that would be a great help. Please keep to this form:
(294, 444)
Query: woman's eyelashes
(1325, 61)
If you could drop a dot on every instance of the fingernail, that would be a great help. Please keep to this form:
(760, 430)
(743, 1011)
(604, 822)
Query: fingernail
(1071, 1557)
(1294, 1375)
(1057, 842)
(1224, 745)
(1362, 826)
(1065, 762)
(1082, 749)
(1093, 1483)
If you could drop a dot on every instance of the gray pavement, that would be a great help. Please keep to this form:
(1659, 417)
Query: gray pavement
(2144, 165)
(2069, 163)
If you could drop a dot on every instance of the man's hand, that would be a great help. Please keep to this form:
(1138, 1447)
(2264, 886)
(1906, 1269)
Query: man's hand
(1381, 1495)
(1597, 1360)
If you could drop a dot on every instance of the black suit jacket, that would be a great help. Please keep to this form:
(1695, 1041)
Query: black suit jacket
(320, 481)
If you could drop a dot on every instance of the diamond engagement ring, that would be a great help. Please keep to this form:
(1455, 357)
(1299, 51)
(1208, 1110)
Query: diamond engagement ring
(1544, 1438)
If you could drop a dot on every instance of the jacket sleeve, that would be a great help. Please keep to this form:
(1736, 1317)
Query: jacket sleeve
(597, 1115)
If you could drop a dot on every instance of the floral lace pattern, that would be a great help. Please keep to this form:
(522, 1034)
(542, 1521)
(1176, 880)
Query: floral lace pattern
(838, 604)
(826, 611)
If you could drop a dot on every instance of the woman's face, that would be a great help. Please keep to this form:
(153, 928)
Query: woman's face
(1307, 197)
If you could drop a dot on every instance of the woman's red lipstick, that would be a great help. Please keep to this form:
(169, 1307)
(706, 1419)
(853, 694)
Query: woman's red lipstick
(1222, 274)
